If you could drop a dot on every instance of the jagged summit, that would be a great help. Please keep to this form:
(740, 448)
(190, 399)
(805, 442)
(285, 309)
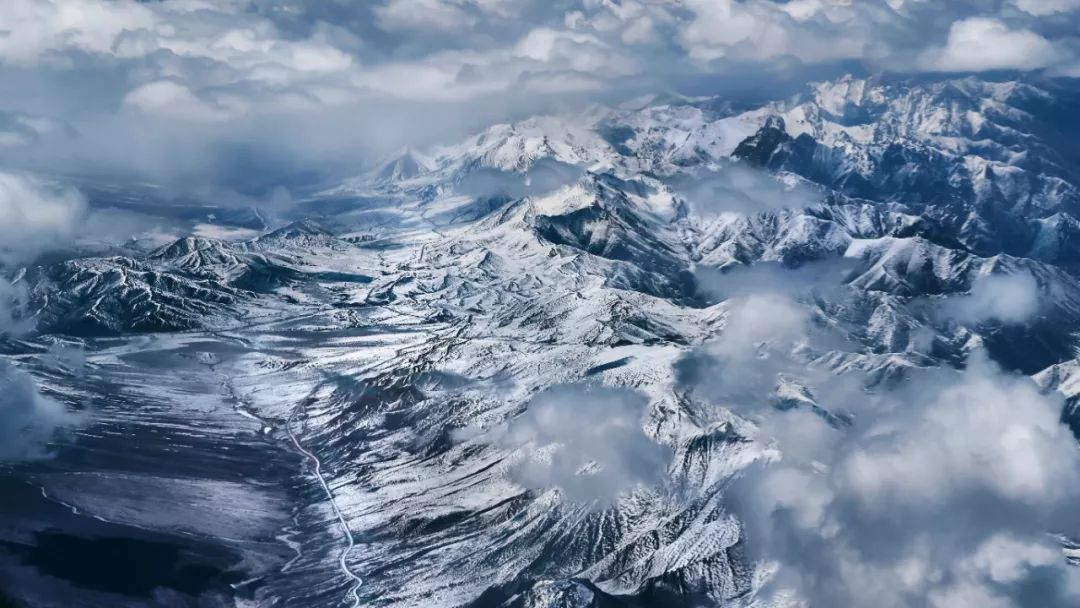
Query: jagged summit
(194, 253)
(298, 229)
(405, 165)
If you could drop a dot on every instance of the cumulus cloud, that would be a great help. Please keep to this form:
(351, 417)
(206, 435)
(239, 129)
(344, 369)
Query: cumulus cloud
(586, 440)
(35, 31)
(36, 216)
(1012, 299)
(770, 334)
(946, 489)
(32, 216)
(944, 492)
(981, 43)
(760, 29)
(28, 419)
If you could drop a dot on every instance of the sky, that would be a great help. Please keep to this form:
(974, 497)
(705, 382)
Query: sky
(245, 97)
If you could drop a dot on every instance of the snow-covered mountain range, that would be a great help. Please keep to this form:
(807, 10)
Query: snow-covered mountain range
(357, 408)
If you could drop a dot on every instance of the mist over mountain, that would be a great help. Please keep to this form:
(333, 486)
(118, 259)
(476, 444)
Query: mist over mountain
(497, 303)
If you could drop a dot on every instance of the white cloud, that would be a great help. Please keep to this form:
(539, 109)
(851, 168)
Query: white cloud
(761, 319)
(214, 47)
(985, 432)
(36, 216)
(1012, 298)
(18, 129)
(1007, 559)
(720, 25)
(585, 440)
(773, 280)
(200, 49)
(738, 188)
(810, 31)
(573, 51)
(542, 60)
(34, 29)
(803, 10)
(1047, 7)
(982, 43)
(939, 491)
(171, 99)
(742, 368)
